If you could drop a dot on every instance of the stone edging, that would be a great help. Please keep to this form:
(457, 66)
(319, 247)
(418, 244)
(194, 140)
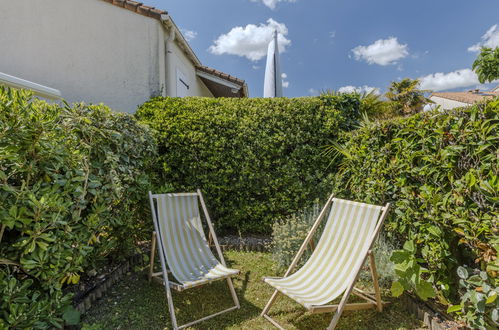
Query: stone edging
(84, 301)
(432, 319)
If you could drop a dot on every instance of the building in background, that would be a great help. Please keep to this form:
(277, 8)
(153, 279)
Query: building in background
(451, 100)
(117, 52)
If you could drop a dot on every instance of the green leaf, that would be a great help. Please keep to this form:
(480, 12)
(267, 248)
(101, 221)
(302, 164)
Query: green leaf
(462, 272)
(454, 308)
(397, 289)
(494, 315)
(491, 298)
(434, 230)
(71, 316)
(409, 246)
(425, 290)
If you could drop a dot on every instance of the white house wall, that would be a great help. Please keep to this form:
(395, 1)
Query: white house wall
(90, 50)
(447, 104)
(181, 63)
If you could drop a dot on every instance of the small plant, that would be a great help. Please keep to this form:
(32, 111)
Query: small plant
(289, 233)
(412, 276)
(479, 304)
(384, 266)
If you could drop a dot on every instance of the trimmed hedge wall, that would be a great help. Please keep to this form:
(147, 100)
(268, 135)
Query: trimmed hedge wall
(440, 170)
(256, 160)
(73, 186)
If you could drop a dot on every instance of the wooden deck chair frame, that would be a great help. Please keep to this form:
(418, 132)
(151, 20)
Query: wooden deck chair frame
(168, 284)
(373, 300)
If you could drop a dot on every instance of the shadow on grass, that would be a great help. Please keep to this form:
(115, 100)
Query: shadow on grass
(137, 304)
(199, 302)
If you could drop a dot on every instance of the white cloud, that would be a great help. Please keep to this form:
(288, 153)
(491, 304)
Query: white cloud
(313, 92)
(442, 81)
(251, 41)
(359, 89)
(272, 3)
(382, 52)
(189, 34)
(332, 34)
(285, 84)
(489, 39)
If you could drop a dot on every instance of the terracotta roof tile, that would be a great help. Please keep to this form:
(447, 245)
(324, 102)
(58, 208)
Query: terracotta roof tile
(138, 7)
(221, 74)
(467, 97)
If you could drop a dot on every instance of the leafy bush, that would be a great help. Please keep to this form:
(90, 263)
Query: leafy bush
(479, 304)
(440, 170)
(255, 159)
(73, 187)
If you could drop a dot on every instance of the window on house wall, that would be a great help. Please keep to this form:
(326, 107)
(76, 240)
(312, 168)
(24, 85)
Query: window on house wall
(183, 85)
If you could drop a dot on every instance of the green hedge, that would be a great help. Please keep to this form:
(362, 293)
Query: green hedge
(440, 171)
(256, 160)
(73, 186)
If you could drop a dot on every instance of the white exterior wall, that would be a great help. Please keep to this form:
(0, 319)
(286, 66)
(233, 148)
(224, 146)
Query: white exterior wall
(180, 63)
(90, 50)
(447, 104)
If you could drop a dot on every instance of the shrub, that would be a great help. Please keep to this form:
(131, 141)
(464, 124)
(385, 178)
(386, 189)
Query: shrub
(73, 188)
(288, 235)
(440, 171)
(382, 251)
(479, 304)
(256, 160)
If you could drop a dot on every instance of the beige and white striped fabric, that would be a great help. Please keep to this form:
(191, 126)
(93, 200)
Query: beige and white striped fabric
(332, 266)
(184, 244)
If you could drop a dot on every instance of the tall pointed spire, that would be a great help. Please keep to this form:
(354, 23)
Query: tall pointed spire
(272, 86)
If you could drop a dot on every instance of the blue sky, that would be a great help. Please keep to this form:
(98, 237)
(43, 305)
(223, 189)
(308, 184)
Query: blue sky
(341, 44)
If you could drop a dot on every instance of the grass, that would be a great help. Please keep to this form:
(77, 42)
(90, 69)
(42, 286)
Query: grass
(138, 304)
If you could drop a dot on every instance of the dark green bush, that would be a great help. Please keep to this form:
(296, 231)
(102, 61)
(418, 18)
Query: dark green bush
(440, 170)
(73, 187)
(255, 159)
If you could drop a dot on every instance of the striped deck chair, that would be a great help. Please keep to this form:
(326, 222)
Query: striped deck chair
(183, 248)
(335, 263)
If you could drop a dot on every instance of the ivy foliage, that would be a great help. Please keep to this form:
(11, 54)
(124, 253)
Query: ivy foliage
(440, 171)
(73, 186)
(257, 159)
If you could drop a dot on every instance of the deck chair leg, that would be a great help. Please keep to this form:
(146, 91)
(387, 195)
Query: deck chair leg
(341, 307)
(269, 304)
(171, 308)
(151, 261)
(374, 275)
(233, 292)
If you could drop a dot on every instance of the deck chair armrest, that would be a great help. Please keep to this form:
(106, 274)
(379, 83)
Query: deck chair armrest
(271, 277)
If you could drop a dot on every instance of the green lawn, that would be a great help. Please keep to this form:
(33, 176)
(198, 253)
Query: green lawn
(138, 304)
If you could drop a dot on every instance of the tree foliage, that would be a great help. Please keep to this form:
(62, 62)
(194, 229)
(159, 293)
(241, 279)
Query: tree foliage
(406, 96)
(486, 65)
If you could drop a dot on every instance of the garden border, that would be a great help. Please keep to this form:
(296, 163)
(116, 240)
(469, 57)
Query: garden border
(430, 317)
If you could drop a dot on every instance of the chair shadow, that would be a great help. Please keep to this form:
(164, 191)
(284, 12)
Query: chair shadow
(388, 319)
(195, 303)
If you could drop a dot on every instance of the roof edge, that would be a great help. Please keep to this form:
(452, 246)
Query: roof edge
(169, 23)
